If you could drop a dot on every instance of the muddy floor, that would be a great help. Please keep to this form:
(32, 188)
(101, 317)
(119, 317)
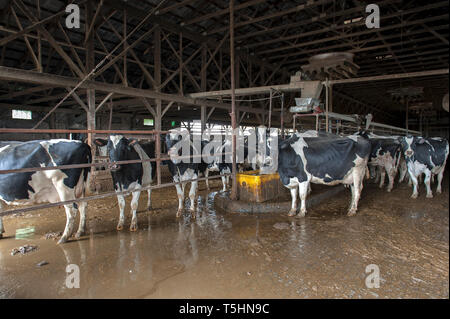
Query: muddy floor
(223, 255)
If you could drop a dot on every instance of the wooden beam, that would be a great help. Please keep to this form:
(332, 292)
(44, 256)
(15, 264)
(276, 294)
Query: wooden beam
(18, 75)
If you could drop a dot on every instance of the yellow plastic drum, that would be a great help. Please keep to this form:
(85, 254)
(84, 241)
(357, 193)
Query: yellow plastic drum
(253, 187)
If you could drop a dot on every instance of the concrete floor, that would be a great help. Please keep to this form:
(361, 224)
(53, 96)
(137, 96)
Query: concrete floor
(223, 255)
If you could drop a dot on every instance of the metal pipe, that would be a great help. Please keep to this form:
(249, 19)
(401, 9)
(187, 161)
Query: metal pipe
(100, 196)
(34, 131)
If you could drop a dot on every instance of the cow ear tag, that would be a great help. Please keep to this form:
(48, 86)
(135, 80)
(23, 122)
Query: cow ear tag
(97, 142)
(132, 142)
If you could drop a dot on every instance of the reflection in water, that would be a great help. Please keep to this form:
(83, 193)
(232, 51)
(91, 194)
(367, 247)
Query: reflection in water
(26, 232)
(185, 249)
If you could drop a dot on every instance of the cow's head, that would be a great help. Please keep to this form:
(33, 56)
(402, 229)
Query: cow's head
(78, 137)
(409, 144)
(119, 148)
(100, 142)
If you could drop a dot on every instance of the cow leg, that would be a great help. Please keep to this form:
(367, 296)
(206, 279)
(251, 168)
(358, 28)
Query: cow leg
(427, 183)
(391, 177)
(377, 174)
(356, 187)
(149, 199)
(206, 180)
(414, 181)
(402, 175)
(71, 213)
(293, 210)
(121, 201)
(134, 207)
(2, 230)
(367, 173)
(193, 196)
(382, 176)
(224, 183)
(180, 193)
(304, 189)
(65, 194)
(438, 189)
(82, 226)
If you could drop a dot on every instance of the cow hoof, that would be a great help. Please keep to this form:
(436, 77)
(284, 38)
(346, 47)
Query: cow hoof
(429, 195)
(149, 208)
(179, 212)
(78, 234)
(414, 196)
(62, 240)
(389, 190)
(133, 228)
(351, 213)
(119, 227)
(292, 213)
(437, 192)
(1, 236)
(301, 214)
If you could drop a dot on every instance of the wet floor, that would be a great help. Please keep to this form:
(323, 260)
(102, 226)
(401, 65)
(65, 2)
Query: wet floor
(223, 255)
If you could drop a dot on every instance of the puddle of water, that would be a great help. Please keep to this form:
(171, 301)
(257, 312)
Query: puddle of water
(23, 233)
(223, 255)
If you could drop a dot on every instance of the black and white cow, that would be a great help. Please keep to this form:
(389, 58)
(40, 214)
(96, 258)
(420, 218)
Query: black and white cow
(130, 177)
(50, 185)
(385, 155)
(221, 162)
(425, 156)
(183, 170)
(311, 157)
(102, 146)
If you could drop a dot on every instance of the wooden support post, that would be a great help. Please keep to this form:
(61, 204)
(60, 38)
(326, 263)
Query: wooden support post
(203, 86)
(158, 117)
(90, 63)
(326, 105)
(125, 48)
(180, 62)
(282, 115)
(270, 109)
(233, 104)
(407, 114)
(331, 98)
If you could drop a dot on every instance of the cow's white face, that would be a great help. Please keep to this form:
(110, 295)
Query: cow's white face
(406, 146)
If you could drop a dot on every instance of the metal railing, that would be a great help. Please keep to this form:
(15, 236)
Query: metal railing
(136, 134)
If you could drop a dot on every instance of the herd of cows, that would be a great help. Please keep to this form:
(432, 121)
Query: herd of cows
(302, 158)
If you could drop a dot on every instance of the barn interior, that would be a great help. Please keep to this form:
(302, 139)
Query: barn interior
(155, 65)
